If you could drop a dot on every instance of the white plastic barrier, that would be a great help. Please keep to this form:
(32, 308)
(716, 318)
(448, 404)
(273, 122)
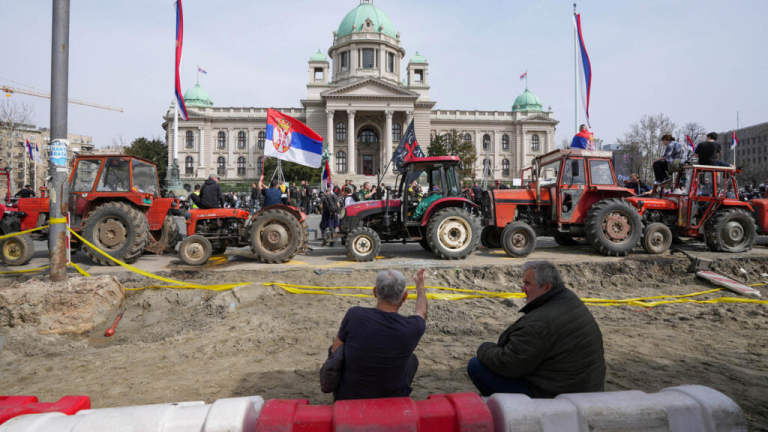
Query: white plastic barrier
(224, 415)
(684, 408)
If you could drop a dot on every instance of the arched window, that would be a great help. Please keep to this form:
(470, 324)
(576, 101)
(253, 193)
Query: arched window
(241, 140)
(190, 139)
(397, 131)
(505, 142)
(447, 138)
(486, 141)
(368, 136)
(221, 166)
(262, 137)
(341, 132)
(259, 165)
(534, 142)
(341, 161)
(189, 165)
(505, 167)
(467, 137)
(222, 141)
(241, 166)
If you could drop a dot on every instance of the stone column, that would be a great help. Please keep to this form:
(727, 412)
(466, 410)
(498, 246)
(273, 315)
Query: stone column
(387, 139)
(329, 135)
(496, 164)
(250, 172)
(230, 153)
(351, 143)
(408, 120)
(201, 154)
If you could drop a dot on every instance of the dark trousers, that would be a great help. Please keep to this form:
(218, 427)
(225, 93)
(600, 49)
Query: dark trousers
(660, 170)
(720, 163)
(488, 383)
(410, 371)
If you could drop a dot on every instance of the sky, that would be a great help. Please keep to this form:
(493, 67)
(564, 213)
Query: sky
(693, 60)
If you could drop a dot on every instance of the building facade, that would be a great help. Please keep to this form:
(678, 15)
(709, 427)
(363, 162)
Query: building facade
(361, 102)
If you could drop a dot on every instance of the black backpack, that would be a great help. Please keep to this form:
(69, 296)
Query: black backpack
(333, 203)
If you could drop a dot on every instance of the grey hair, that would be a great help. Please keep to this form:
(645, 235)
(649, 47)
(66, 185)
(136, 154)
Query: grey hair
(390, 286)
(544, 272)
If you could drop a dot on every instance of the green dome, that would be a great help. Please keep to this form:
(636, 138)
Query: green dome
(527, 102)
(197, 97)
(362, 12)
(418, 58)
(318, 56)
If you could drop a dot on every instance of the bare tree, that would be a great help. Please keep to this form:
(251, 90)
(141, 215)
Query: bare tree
(565, 143)
(693, 130)
(644, 140)
(14, 116)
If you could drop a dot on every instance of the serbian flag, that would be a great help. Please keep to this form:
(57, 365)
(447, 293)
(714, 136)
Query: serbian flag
(524, 75)
(37, 155)
(584, 68)
(325, 183)
(179, 40)
(690, 143)
(30, 151)
(291, 140)
(734, 141)
(199, 69)
(407, 149)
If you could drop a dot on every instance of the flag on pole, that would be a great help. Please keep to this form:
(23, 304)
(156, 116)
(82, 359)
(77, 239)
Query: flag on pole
(37, 155)
(326, 178)
(524, 75)
(734, 141)
(407, 149)
(199, 69)
(30, 151)
(584, 68)
(291, 140)
(690, 143)
(179, 40)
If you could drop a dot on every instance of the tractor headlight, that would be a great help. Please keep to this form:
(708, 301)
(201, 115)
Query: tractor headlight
(342, 213)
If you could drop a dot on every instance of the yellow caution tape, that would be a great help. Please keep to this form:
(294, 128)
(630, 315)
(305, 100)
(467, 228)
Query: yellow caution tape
(23, 232)
(25, 270)
(79, 269)
(61, 220)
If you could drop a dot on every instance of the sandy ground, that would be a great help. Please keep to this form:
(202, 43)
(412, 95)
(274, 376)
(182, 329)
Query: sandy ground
(177, 345)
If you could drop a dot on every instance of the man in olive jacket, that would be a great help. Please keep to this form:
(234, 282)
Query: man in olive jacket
(555, 348)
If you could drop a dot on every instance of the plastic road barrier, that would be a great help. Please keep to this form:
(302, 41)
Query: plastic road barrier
(13, 406)
(224, 415)
(684, 408)
(444, 413)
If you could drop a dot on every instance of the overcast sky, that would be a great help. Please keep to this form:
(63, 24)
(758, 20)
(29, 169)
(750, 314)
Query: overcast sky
(693, 60)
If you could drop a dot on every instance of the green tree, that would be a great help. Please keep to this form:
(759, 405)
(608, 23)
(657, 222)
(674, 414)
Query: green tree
(154, 150)
(454, 144)
(293, 172)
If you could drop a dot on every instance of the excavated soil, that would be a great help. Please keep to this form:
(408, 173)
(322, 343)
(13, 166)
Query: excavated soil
(176, 345)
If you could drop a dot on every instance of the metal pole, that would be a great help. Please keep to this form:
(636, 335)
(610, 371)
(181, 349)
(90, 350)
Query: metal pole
(59, 193)
(575, 75)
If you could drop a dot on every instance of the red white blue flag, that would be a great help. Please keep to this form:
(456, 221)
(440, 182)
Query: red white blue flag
(734, 141)
(37, 155)
(30, 151)
(690, 143)
(291, 140)
(584, 68)
(326, 181)
(179, 40)
(524, 75)
(199, 69)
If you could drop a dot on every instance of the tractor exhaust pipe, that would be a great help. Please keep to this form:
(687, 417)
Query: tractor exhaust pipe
(385, 219)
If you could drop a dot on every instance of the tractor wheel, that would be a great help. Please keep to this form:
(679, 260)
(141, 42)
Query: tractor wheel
(363, 244)
(118, 229)
(565, 240)
(219, 247)
(613, 227)
(730, 230)
(195, 250)
(17, 250)
(276, 236)
(657, 238)
(168, 235)
(453, 233)
(424, 243)
(491, 237)
(518, 239)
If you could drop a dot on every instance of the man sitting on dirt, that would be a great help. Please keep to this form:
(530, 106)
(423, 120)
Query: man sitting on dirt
(211, 195)
(378, 342)
(555, 348)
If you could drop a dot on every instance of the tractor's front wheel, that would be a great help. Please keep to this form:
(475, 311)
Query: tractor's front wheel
(17, 250)
(453, 233)
(119, 230)
(613, 227)
(363, 244)
(518, 239)
(657, 238)
(195, 250)
(276, 236)
(730, 230)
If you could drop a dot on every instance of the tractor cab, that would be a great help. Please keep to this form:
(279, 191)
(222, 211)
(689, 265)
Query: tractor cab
(424, 182)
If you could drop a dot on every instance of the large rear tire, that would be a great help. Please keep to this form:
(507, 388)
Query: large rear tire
(613, 227)
(518, 239)
(118, 229)
(730, 230)
(491, 237)
(276, 236)
(17, 250)
(657, 238)
(453, 233)
(195, 250)
(363, 244)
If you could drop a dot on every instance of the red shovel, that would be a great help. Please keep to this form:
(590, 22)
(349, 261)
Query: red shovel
(110, 331)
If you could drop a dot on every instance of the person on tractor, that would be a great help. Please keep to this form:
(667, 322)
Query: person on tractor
(26, 192)
(709, 151)
(582, 139)
(273, 194)
(637, 185)
(425, 203)
(196, 199)
(673, 157)
(211, 195)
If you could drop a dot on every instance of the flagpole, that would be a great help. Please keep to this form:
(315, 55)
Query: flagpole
(526, 79)
(25, 165)
(734, 134)
(575, 75)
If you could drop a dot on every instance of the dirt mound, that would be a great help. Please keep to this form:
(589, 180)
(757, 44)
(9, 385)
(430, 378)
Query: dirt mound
(74, 306)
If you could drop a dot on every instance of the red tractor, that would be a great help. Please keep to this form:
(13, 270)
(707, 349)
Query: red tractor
(569, 194)
(115, 204)
(17, 250)
(440, 222)
(705, 206)
(275, 234)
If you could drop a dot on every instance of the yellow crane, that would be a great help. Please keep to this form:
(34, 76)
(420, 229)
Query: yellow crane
(10, 90)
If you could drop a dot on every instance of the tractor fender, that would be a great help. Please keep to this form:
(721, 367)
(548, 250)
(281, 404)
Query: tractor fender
(161, 207)
(443, 203)
(298, 214)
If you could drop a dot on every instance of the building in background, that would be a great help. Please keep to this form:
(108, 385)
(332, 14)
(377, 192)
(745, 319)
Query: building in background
(751, 152)
(361, 103)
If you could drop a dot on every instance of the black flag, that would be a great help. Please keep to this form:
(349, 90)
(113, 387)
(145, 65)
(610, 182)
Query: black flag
(408, 148)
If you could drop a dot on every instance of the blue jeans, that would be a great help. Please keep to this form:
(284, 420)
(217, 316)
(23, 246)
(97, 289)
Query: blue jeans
(489, 383)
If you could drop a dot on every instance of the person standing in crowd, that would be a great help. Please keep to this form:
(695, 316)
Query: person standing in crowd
(365, 192)
(26, 192)
(556, 347)
(272, 196)
(330, 216)
(284, 193)
(670, 161)
(709, 151)
(293, 195)
(306, 198)
(255, 196)
(477, 195)
(347, 194)
(211, 195)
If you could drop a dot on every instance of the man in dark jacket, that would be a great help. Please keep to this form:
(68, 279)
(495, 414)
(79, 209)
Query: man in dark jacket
(211, 195)
(555, 348)
(255, 197)
(27, 192)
